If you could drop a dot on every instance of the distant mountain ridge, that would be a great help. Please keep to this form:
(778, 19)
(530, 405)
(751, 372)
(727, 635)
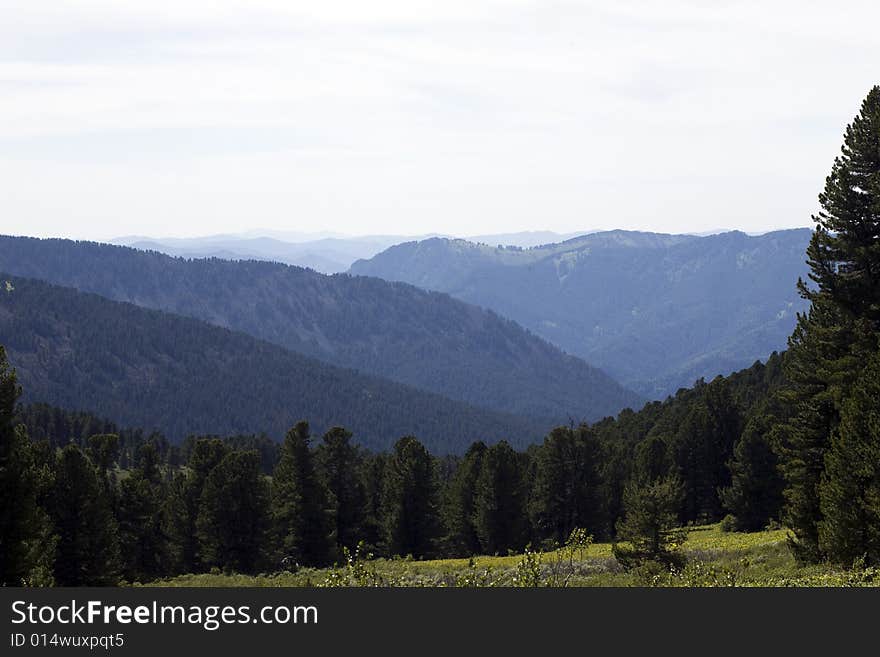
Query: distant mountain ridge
(182, 376)
(656, 311)
(328, 254)
(426, 340)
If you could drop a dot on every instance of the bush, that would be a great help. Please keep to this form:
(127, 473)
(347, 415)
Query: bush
(729, 523)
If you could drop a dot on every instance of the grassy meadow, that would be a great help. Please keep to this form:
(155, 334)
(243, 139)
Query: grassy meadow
(713, 558)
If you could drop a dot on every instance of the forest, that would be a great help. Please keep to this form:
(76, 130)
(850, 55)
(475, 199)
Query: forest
(792, 442)
(157, 371)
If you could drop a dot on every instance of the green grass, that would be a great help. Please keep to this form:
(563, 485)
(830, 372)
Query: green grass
(714, 558)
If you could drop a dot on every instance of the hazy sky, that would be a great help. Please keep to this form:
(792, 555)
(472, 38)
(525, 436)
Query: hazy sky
(188, 117)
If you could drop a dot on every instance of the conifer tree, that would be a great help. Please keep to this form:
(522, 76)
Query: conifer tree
(500, 501)
(850, 490)
(299, 502)
(182, 506)
(838, 335)
(565, 492)
(754, 496)
(24, 526)
(650, 523)
(458, 507)
(88, 545)
(373, 468)
(410, 500)
(233, 519)
(142, 536)
(339, 464)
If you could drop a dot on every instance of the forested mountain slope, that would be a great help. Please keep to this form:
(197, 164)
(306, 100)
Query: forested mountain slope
(655, 311)
(393, 330)
(155, 370)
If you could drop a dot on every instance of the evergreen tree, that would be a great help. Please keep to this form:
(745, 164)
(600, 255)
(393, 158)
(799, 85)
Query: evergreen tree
(373, 468)
(703, 445)
(565, 492)
(24, 526)
(299, 502)
(500, 501)
(650, 523)
(88, 545)
(103, 450)
(850, 490)
(458, 507)
(836, 337)
(339, 464)
(409, 500)
(754, 496)
(233, 520)
(142, 536)
(652, 459)
(182, 506)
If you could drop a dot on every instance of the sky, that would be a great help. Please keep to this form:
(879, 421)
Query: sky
(195, 117)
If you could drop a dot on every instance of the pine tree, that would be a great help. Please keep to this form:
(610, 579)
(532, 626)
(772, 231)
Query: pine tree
(850, 490)
(339, 464)
(836, 337)
(233, 520)
(299, 503)
(754, 496)
(703, 445)
(650, 523)
(142, 537)
(500, 501)
(88, 545)
(182, 506)
(409, 500)
(565, 493)
(458, 507)
(373, 468)
(24, 526)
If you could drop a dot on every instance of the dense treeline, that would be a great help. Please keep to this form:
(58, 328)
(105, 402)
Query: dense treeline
(246, 504)
(427, 340)
(150, 369)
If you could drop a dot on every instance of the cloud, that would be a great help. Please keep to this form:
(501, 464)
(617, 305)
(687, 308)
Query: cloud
(422, 116)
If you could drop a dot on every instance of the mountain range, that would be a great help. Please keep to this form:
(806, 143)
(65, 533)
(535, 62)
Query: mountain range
(325, 253)
(182, 376)
(426, 340)
(655, 311)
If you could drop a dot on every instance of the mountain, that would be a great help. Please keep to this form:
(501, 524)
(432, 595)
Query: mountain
(655, 311)
(327, 255)
(148, 368)
(526, 239)
(424, 339)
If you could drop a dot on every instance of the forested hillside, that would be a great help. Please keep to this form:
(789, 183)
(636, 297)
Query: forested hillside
(424, 339)
(655, 311)
(155, 370)
(326, 495)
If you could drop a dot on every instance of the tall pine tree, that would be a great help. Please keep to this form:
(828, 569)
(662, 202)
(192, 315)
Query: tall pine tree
(142, 536)
(500, 501)
(299, 503)
(565, 492)
(339, 464)
(24, 526)
(410, 500)
(838, 335)
(88, 545)
(850, 490)
(233, 520)
(458, 503)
